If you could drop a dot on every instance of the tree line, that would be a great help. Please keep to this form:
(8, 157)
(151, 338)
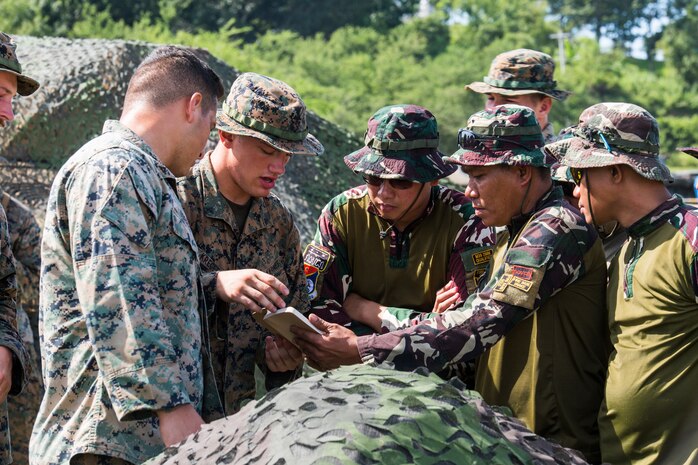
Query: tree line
(348, 59)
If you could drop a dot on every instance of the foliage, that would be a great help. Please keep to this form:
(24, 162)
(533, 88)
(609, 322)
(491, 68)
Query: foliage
(347, 73)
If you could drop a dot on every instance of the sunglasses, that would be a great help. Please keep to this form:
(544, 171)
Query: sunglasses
(577, 175)
(468, 139)
(399, 184)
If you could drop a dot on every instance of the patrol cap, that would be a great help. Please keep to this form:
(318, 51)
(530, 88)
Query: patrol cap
(270, 110)
(613, 133)
(401, 143)
(9, 63)
(504, 135)
(520, 72)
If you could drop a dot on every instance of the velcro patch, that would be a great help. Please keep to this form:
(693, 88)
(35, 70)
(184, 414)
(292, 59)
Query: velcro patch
(518, 285)
(522, 272)
(318, 257)
(482, 257)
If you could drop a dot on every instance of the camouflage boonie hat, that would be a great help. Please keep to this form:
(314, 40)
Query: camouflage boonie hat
(520, 72)
(613, 133)
(561, 173)
(270, 110)
(401, 143)
(9, 63)
(504, 135)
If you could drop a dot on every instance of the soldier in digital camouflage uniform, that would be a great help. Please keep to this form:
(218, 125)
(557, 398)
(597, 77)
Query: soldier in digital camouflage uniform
(650, 411)
(13, 357)
(22, 239)
(239, 225)
(25, 238)
(539, 321)
(523, 77)
(400, 243)
(121, 333)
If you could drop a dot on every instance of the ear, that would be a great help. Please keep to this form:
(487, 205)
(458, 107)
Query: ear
(194, 106)
(616, 174)
(226, 138)
(546, 103)
(524, 174)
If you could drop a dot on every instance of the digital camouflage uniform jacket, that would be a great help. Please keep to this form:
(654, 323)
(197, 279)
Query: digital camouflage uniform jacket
(25, 238)
(120, 323)
(539, 320)
(269, 242)
(405, 269)
(9, 336)
(650, 410)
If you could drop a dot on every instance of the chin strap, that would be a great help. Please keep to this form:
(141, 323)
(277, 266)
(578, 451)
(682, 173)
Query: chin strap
(384, 233)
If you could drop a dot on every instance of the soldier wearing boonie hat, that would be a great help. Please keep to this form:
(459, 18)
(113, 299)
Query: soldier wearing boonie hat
(16, 361)
(547, 271)
(247, 238)
(12, 80)
(649, 412)
(523, 77)
(399, 243)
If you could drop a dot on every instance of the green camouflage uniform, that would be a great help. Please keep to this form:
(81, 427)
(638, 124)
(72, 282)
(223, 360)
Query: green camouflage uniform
(404, 269)
(25, 237)
(120, 324)
(650, 412)
(539, 320)
(267, 109)
(9, 337)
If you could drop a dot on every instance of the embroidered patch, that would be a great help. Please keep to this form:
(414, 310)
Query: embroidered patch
(311, 275)
(318, 257)
(482, 257)
(508, 279)
(522, 272)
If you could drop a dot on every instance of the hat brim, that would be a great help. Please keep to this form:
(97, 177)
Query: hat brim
(576, 152)
(464, 157)
(308, 146)
(484, 88)
(692, 151)
(418, 165)
(25, 85)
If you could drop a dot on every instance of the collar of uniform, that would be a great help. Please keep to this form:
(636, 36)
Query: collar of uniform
(656, 218)
(553, 195)
(216, 206)
(549, 133)
(115, 126)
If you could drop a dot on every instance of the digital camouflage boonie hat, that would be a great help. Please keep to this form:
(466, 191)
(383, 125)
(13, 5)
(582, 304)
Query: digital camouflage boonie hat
(504, 135)
(520, 72)
(270, 110)
(401, 143)
(9, 63)
(613, 133)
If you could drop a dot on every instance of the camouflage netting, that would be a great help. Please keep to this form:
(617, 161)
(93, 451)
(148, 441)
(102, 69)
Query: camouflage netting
(366, 415)
(83, 83)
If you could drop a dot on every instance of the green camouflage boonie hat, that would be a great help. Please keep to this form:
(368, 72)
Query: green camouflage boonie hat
(270, 110)
(613, 133)
(504, 135)
(401, 143)
(520, 72)
(9, 63)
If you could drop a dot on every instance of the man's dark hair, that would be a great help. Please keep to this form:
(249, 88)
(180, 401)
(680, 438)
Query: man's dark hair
(170, 73)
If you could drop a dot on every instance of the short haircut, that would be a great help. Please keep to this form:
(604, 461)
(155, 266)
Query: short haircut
(170, 73)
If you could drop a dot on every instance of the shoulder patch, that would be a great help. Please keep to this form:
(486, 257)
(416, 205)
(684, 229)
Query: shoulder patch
(318, 257)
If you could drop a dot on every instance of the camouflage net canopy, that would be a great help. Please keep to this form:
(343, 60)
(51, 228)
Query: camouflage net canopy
(366, 415)
(83, 83)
